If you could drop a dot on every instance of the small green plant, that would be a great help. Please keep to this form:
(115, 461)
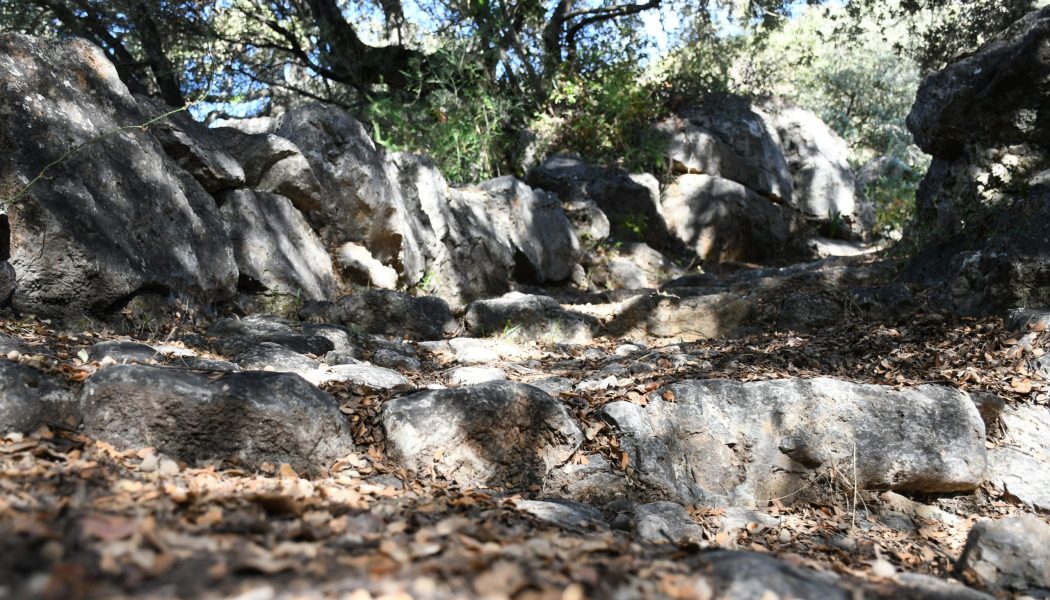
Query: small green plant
(510, 331)
(835, 226)
(428, 282)
(637, 223)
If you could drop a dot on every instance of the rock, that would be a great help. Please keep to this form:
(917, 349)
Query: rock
(364, 375)
(497, 434)
(1008, 555)
(260, 324)
(588, 221)
(194, 147)
(806, 312)
(686, 318)
(553, 385)
(767, 439)
(268, 356)
(567, 514)
(361, 201)
(30, 399)
(891, 301)
(390, 359)
(275, 248)
(341, 337)
(363, 268)
(619, 274)
(466, 255)
(721, 220)
(461, 376)
(124, 352)
(729, 138)
(983, 209)
(595, 482)
(296, 342)
(1020, 465)
(736, 518)
(388, 312)
(528, 317)
(818, 159)
(544, 244)
(470, 351)
(633, 213)
(275, 165)
(751, 575)
(85, 239)
(666, 523)
(254, 416)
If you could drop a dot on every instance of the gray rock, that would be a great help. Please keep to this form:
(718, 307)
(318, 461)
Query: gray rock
(391, 359)
(498, 434)
(467, 255)
(596, 482)
(984, 204)
(198, 363)
(883, 302)
(666, 523)
(194, 147)
(544, 244)
(366, 376)
(461, 376)
(730, 138)
(721, 220)
(361, 201)
(769, 439)
(107, 222)
(1008, 555)
(567, 514)
(470, 351)
(755, 576)
(588, 221)
(340, 336)
(388, 312)
(275, 165)
(528, 317)
(1020, 476)
(252, 325)
(633, 213)
(619, 274)
(358, 266)
(335, 357)
(275, 248)
(30, 399)
(254, 416)
(303, 344)
(124, 352)
(1020, 466)
(274, 357)
(818, 159)
(553, 385)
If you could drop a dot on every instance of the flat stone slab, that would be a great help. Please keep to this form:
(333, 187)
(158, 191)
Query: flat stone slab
(727, 443)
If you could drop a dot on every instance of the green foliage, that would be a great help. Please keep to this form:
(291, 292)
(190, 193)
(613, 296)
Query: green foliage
(894, 200)
(460, 122)
(605, 115)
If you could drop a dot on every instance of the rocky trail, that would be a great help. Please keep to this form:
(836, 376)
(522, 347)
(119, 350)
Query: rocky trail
(271, 359)
(846, 460)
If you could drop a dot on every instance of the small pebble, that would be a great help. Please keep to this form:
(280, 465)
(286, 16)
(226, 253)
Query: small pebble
(168, 468)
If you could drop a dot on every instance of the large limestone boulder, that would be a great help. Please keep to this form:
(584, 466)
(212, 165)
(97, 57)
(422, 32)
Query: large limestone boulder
(1019, 465)
(273, 164)
(254, 416)
(723, 442)
(727, 137)
(497, 434)
(721, 220)
(361, 201)
(114, 219)
(781, 153)
(983, 209)
(275, 247)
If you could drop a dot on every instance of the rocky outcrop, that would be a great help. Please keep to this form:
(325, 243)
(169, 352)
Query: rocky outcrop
(30, 399)
(722, 221)
(983, 208)
(275, 248)
(771, 439)
(631, 207)
(111, 220)
(781, 153)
